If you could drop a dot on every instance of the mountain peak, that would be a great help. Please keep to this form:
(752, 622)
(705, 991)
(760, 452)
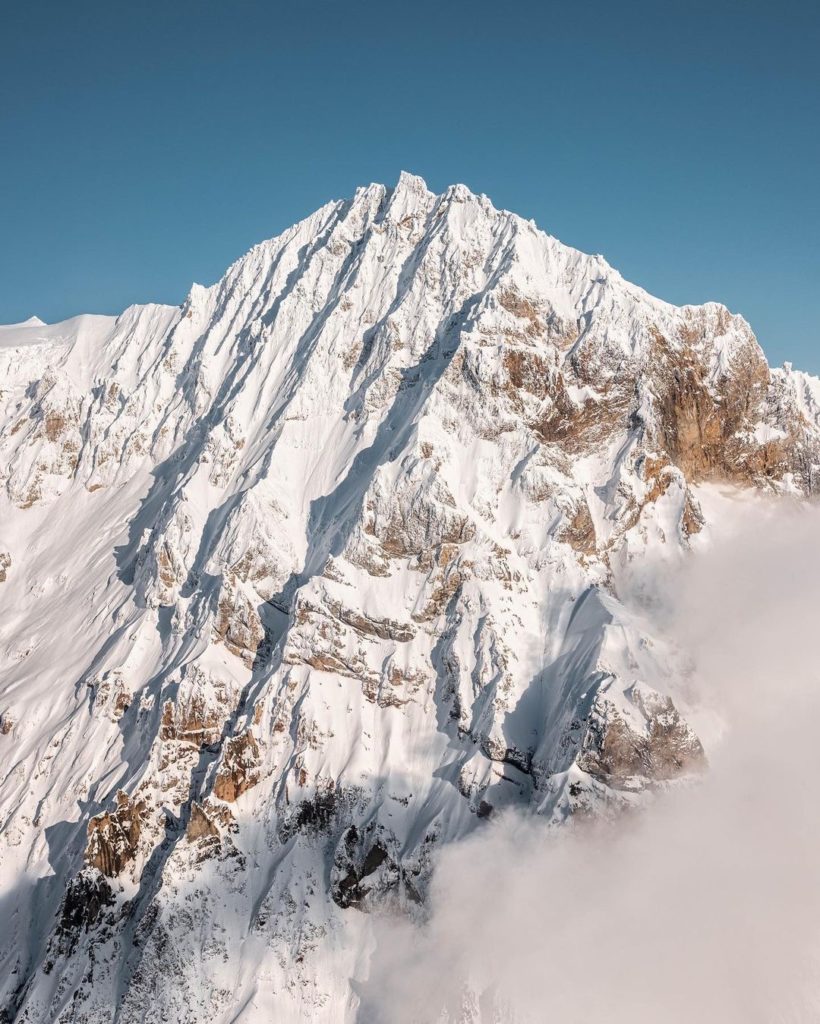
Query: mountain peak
(411, 183)
(335, 581)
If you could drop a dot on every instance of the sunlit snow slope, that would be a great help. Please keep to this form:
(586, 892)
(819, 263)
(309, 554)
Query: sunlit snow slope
(318, 572)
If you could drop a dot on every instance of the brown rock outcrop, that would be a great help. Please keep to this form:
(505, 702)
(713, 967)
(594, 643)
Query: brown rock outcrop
(707, 424)
(238, 625)
(577, 425)
(200, 826)
(527, 371)
(579, 530)
(190, 721)
(385, 629)
(239, 769)
(113, 836)
(616, 749)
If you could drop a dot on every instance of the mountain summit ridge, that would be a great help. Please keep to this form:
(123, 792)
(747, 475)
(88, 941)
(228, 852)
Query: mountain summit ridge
(319, 571)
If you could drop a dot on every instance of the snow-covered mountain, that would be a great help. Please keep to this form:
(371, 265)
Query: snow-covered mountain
(320, 571)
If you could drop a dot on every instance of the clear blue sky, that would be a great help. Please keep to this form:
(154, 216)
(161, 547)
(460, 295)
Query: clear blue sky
(146, 145)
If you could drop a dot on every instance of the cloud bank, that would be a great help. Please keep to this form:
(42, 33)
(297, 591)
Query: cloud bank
(704, 907)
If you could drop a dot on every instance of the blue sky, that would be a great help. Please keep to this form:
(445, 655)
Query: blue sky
(147, 145)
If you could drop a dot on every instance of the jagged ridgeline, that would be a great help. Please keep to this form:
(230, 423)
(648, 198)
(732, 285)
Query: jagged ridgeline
(319, 572)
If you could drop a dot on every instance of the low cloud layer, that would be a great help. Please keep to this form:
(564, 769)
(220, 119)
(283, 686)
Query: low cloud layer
(706, 907)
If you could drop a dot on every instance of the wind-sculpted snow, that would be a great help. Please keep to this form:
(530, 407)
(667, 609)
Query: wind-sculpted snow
(319, 572)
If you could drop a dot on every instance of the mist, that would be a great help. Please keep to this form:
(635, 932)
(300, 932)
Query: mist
(704, 906)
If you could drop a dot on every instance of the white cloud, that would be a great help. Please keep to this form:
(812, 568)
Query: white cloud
(706, 906)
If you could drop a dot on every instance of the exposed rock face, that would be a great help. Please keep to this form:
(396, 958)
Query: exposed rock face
(643, 739)
(86, 897)
(334, 580)
(238, 625)
(579, 531)
(239, 769)
(353, 876)
(200, 825)
(113, 836)
(192, 721)
(5, 565)
(708, 420)
(385, 629)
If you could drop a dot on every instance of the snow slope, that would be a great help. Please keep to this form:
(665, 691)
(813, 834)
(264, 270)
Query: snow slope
(320, 571)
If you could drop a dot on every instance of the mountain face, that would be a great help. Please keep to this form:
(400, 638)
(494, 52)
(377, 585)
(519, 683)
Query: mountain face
(320, 571)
